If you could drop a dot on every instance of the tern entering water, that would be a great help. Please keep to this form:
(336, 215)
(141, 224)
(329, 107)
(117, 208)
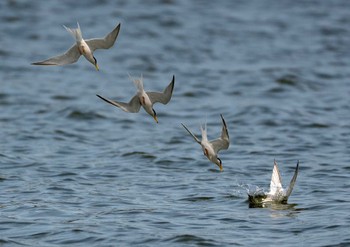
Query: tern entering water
(276, 194)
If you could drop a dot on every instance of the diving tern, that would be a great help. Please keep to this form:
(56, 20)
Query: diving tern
(144, 99)
(211, 148)
(277, 193)
(82, 47)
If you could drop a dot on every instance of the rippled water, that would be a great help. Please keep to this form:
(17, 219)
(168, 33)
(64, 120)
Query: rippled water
(76, 171)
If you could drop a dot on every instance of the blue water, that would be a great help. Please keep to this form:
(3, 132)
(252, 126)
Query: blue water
(75, 171)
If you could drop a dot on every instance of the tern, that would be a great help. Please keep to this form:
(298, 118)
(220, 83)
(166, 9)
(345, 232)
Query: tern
(82, 47)
(211, 148)
(276, 194)
(144, 99)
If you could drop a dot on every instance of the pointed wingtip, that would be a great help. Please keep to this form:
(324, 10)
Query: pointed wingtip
(43, 63)
(292, 181)
(184, 127)
(222, 117)
(172, 83)
(224, 122)
(104, 99)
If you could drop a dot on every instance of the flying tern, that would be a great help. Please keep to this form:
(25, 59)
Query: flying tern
(211, 148)
(82, 47)
(144, 99)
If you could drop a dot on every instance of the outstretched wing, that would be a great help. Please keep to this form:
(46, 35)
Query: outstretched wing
(224, 141)
(292, 181)
(194, 137)
(70, 56)
(133, 105)
(106, 42)
(276, 181)
(163, 97)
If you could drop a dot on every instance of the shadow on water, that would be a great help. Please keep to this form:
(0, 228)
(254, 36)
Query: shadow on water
(273, 205)
(192, 239)
(277, 210)
(197, 198)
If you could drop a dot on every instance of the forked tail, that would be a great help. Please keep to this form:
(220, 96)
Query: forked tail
(204, 132)
(75, 32)
(138, 82)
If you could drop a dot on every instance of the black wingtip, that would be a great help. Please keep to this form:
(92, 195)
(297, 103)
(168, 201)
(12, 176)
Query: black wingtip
(184, 127)
(173, 81)
(45, 64)
(101, 97)
(223, 120)
(297, 168)
(224, 123)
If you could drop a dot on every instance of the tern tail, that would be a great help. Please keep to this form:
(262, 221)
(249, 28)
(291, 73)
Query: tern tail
(75, 32)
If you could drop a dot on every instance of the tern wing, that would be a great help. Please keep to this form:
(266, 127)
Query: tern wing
(194, 137)
(219, 144)
(106, 42)
(133, 105)
(292, 181)
(70, 56)
(276, 181)
(224, 141)
(163, 97)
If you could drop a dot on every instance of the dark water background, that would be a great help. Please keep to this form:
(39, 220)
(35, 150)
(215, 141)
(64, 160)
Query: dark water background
(75, 171)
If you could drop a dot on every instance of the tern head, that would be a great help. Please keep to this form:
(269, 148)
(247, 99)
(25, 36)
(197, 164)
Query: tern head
(96, 65)
(219, 164)
(154, 115)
